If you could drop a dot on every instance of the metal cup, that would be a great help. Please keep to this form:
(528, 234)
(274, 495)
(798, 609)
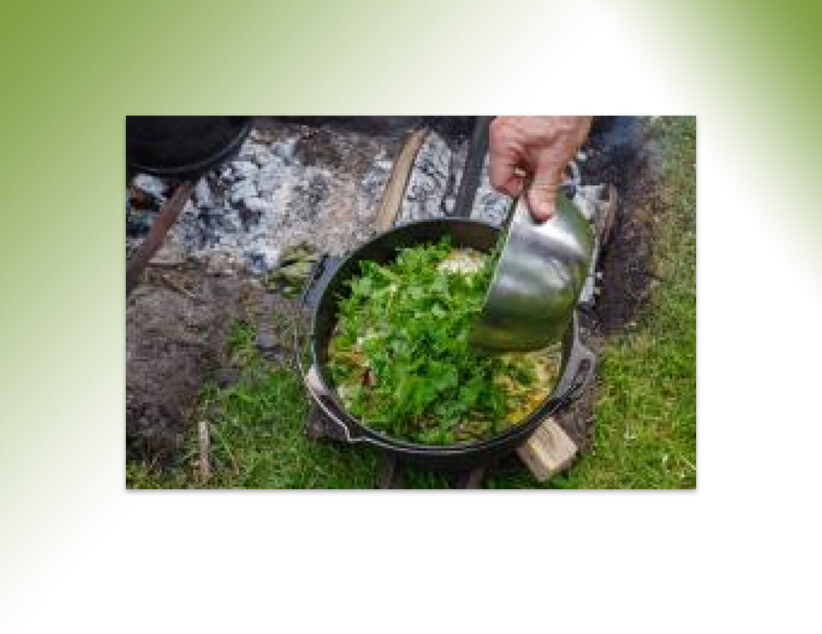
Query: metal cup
(537, 280)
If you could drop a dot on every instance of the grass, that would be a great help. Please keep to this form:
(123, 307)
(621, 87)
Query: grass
(645, 430)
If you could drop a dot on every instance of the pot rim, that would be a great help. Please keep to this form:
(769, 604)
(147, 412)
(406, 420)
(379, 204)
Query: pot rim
(367, 434)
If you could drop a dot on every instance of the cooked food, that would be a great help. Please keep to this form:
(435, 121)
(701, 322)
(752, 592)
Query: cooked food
(400, 360)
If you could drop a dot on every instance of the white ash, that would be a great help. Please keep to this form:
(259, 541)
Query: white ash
(434, 184)
(152, 185)
(489, 205)
(458, 159)
(202, 194)
(291, 184)
(247, 211)
(428, 181)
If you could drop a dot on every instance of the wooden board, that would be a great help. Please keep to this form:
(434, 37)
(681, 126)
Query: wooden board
(548, 451)
(395, 187)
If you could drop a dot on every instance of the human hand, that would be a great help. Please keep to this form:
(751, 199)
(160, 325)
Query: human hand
(542, 146)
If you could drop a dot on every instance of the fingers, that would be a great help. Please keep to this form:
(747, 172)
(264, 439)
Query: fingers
(502, 172)
(503, 158)
(542, 195)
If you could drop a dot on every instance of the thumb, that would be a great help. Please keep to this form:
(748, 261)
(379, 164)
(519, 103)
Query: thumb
(542, 194)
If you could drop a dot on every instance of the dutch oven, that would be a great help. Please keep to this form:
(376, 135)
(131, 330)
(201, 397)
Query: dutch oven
(182, 147)
(328, 285)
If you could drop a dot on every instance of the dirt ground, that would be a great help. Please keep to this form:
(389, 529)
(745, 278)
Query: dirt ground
(176, 328)
(621, 151)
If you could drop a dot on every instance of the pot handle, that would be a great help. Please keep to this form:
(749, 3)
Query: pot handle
(320, 396)
(320, 273)
(579, 372)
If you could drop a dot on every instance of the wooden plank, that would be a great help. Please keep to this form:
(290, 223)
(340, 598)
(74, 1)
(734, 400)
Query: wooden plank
(395, 187)
(548, 451)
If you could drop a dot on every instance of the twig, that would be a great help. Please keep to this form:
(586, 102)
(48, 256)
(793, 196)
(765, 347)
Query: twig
(177, 287)
(205, 459)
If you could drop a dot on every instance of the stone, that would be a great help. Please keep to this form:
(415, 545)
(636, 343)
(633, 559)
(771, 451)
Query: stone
(266, 341)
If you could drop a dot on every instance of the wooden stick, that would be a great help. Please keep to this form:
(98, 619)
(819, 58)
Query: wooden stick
(177, 287)
(395, 187)
(148, 247)
(205, 458)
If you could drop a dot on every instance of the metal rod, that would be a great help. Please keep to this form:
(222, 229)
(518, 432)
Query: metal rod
(473, 167)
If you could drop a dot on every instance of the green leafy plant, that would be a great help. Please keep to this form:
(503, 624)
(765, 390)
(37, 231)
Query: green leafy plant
(400, 357)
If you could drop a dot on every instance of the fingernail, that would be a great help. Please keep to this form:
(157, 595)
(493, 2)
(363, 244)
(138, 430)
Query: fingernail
(543, 212)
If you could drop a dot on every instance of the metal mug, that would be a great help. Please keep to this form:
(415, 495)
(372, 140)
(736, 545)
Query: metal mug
(537, 280)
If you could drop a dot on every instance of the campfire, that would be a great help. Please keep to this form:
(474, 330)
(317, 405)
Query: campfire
(328, 189)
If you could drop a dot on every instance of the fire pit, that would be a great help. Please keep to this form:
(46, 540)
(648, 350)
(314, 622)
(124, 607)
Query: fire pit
(292, 183)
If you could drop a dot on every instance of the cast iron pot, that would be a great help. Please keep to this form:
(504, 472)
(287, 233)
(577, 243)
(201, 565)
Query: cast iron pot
(328, 287)
(183, 147)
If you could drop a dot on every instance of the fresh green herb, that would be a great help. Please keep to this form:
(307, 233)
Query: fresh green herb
(400, 357)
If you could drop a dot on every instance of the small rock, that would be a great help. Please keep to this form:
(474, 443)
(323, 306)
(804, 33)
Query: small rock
(267, 341)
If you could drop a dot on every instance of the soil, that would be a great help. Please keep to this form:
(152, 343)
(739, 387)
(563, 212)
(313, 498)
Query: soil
(621, 151)
(176, 326)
